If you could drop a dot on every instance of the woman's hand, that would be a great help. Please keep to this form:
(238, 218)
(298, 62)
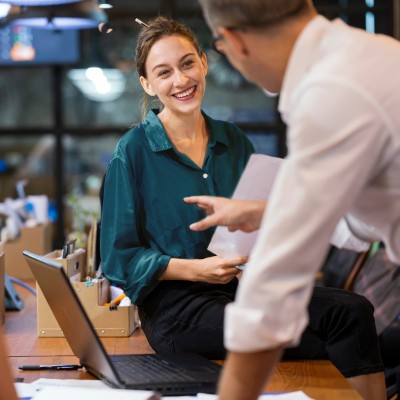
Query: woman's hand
(217, 269)
(214, 269)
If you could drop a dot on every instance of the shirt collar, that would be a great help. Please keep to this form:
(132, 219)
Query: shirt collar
(303, 55)
(155, 132)
(216, 133)
(159, 141)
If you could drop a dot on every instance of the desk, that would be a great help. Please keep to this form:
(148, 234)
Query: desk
(318, 379)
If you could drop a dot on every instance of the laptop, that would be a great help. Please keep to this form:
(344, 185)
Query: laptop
(168, 374)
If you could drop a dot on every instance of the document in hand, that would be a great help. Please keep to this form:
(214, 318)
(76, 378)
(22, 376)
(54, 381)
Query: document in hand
(255, 184)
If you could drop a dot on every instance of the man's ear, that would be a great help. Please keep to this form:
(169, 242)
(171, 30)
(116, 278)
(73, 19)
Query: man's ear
(234, 38)
(146, 86)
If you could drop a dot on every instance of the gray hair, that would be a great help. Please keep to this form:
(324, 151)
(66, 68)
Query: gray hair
(251, 13)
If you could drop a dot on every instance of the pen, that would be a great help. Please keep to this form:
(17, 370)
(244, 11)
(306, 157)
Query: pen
(49, 366)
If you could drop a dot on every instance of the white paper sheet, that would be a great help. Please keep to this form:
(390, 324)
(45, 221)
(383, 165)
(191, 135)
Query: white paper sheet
(255, 184)
(86, 383)
(278, 396)
(67, 389)
(82, 393)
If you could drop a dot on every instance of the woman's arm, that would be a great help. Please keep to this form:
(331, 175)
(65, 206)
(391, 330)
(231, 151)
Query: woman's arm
(126, 258)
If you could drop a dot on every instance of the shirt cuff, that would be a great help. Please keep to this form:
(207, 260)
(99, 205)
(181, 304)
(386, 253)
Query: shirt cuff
(343, 237)
(249, 330)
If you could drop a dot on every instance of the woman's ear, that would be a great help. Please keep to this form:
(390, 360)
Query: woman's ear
(146, 86)
(204, 62)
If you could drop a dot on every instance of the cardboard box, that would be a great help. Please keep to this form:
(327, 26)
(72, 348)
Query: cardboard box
(2, 291)
(36, 239)
(74, 264)
(107, 321)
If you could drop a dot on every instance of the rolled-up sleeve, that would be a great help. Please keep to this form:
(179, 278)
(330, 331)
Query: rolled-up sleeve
(126, 258)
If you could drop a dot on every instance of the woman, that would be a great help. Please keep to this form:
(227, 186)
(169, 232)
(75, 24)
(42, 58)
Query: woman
(146, 244)
(180, 288)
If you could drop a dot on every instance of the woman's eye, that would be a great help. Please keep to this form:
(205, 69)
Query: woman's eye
(188, 63)
(163, 73)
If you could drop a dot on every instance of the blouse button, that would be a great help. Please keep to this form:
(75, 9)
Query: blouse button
(205, 176)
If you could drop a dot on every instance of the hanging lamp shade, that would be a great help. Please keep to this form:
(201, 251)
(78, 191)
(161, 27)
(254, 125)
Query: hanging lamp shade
(104, 4)
(73, 15)
(28, 3)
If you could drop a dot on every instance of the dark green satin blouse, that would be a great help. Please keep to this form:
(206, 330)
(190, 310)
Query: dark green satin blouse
(144, 219)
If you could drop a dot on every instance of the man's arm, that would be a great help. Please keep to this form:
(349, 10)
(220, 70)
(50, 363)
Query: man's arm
(244, 215)
(245, 374)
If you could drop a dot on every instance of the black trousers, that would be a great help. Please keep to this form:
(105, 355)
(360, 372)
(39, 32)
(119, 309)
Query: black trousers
(181, 316)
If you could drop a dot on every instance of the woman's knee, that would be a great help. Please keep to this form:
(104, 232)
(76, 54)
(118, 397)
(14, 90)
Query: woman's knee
(360, 309)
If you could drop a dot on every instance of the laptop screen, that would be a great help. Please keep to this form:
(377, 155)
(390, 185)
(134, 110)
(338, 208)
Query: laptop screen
(72, 318)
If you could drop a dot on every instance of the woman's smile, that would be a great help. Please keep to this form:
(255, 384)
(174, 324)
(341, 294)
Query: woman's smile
(186, 94)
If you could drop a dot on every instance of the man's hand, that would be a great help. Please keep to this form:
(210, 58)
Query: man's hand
(244, 215)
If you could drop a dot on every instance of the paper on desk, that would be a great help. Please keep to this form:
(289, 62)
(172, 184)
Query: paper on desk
(255, 184)
(82, 393)
(276, 396)
(273, 396)
(87, 383)
(28, 390)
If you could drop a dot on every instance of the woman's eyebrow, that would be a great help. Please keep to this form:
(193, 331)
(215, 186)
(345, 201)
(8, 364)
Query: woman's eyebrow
(166, 65)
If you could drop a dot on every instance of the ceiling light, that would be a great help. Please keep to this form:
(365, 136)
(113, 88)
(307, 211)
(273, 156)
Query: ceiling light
(105, 27)
(77, 15)
(99, 84)
(4, 8)
(104, 4)
(37, 2)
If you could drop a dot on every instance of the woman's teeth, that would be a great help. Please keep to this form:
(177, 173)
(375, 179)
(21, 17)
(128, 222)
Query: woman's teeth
(184, 94)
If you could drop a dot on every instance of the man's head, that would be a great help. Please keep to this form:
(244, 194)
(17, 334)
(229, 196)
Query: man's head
(251, 13)
(240, 27)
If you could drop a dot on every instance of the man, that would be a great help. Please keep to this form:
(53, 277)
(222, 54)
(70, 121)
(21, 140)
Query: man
(339, 96)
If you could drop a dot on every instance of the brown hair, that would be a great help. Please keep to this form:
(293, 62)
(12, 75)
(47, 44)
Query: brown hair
(155, 30)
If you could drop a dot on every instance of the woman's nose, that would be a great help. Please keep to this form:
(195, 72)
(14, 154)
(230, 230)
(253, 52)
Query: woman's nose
(180, 78)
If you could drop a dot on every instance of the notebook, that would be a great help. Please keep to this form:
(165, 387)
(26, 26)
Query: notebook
(168, 374)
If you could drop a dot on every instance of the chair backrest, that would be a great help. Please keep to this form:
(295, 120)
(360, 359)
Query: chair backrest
(341, 267)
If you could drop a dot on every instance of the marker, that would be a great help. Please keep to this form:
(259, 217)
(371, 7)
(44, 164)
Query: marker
(56, 367)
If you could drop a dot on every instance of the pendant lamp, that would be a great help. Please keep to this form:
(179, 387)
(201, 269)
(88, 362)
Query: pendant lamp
(29, 3)
(72, 15)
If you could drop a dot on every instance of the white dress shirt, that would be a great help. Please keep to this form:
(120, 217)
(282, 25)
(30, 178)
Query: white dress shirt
(341, 102)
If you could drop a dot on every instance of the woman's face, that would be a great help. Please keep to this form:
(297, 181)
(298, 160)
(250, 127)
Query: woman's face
(176, 74)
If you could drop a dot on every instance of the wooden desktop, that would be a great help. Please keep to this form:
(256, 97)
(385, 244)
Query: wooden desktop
(318, 379)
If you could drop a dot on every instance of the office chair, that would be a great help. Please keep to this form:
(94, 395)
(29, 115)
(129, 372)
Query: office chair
(341, 269)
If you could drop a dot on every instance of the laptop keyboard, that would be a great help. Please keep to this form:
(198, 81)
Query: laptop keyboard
(149, 368)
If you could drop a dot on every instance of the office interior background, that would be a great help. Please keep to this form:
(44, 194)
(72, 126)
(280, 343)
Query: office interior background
(62, 113)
